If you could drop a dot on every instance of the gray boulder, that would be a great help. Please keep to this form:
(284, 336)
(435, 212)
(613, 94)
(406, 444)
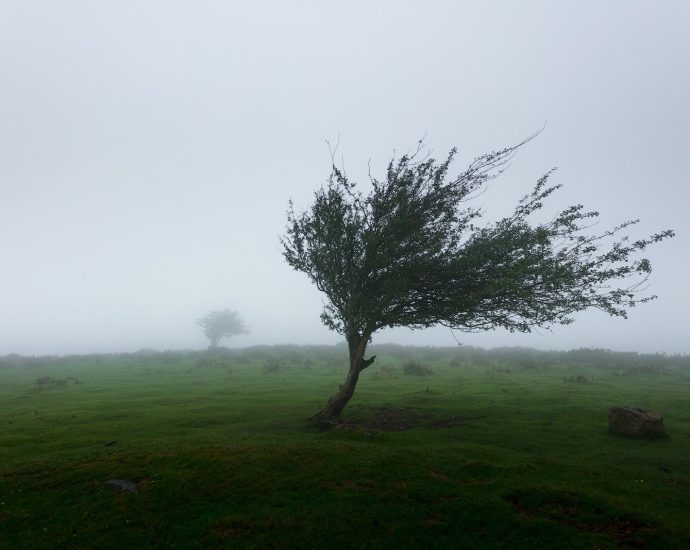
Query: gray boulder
(636, 422)
(122, 485)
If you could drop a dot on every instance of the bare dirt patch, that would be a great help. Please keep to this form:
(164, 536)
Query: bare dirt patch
(399, 419)
(449, 422)
(387, 419)
(230, 526)
(581, 513)
(348, 485)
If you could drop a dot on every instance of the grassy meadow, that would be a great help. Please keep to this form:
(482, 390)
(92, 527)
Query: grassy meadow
(439, 448)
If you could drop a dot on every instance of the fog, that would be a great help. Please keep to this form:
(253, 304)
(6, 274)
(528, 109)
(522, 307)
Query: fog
(148, 151)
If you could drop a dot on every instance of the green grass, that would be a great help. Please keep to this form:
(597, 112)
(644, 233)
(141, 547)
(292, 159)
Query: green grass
(497, 456)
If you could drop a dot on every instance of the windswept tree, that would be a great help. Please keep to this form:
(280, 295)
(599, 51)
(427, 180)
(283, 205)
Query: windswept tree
(221, 324)
(410, 253)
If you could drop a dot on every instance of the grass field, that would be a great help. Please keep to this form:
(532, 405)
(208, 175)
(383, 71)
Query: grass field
(490, 453)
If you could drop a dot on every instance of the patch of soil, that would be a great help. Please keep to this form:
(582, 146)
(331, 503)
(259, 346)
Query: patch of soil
(475, 482)
(420, 399)
(450, 422)
(581, 513)
(231, 526)
(347, 485)
(436, 474)
(391, 419)
(385, 419)
(124, 485)
(435, 520)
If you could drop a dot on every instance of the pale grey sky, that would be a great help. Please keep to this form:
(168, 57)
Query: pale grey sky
(148, 150)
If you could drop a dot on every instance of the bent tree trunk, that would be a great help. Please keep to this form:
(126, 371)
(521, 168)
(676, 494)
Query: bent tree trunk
(335, 405)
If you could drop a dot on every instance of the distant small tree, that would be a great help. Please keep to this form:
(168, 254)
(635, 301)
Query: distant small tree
(221, 324)
(410, 253)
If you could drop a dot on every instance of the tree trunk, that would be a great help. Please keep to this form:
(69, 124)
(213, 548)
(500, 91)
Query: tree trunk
(335, 405)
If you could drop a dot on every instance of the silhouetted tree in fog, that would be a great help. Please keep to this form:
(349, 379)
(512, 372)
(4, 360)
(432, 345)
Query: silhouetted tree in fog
(221, 324)
(409, 253)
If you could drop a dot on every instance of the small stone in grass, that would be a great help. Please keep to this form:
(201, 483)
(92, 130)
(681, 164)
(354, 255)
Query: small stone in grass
(122, 485)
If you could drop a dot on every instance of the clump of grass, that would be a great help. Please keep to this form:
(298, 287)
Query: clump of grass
(500, 369)
(385, 372)
(415, 368)
(45, 381)
(532, 364)
(578, 379)
(272, 365)
(213, 362)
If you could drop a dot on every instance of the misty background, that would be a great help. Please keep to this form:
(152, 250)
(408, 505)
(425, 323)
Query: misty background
(148, 151)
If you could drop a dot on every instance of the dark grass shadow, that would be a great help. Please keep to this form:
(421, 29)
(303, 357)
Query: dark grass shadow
(583, 513)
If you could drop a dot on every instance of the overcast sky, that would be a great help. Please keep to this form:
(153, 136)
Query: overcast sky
(148, 150)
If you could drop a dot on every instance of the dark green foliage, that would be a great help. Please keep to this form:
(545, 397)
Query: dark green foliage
(221, 324)
(384, 372)
(415, 368)
(500, 369)
(272, 365)
(410, 253)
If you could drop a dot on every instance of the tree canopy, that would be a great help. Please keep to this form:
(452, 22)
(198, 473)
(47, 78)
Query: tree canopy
(411, 253)
(221, 324)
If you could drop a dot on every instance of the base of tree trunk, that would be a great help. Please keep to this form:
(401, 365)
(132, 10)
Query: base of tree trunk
(329, 416)
(322, 424)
